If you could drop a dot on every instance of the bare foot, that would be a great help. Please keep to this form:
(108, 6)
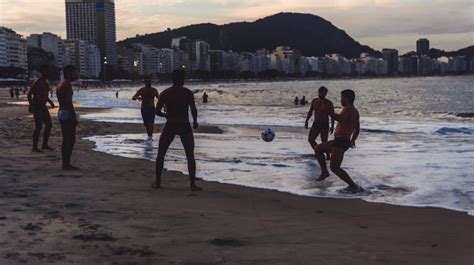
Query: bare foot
(323, 176)
(194, 187)
(47, 148)
(70, 167)
(36, 150)
(156, 185)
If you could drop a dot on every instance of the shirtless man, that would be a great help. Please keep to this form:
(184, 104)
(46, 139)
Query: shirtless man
(38, 97)
(147, 96)
(67, 116)
(322, 109)
(177, 100)
(347, 131)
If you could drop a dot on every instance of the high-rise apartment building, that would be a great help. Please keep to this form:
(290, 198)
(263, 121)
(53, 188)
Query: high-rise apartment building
(422, 46)
(93, 21)
(391, 57)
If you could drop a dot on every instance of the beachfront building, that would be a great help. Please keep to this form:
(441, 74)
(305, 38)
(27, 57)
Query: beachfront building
(13, 51)
(442, 65)
(422, 47)
(202, 60)
(217, 60)
(85, 56)
(167, 61)
(150, 59)
(125, 59)
(51, 43)
(181, 61)
(262, 60)
(458, 65)
(381, 67)
(185, 53)
(286, 60)
(93, 21)
(370, 63)
(315, 65)
(342, 66)
(391, 57)
(424, 65)
(408, 65)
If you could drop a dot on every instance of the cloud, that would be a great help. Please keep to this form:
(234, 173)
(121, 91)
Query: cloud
(372, 22)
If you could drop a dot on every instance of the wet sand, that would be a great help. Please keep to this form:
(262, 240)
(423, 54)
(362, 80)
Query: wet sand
(106, 213)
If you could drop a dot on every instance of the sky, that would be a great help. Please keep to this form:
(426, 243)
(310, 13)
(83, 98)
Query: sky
(448, 24)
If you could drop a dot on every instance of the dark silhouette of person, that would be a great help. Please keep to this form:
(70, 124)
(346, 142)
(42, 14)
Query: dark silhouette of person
(17, 93)
(67, 116)
(296, 101)
(303, 101)
(205, 98)
(116, 94)
(347, 131)
(321, 108)
(177, 101)
(12, 93)
(147, 96)
(37, 98)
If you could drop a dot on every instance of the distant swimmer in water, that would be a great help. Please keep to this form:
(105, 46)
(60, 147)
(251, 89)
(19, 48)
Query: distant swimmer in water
(322, 108)
(303, 101)
(296, 101)
(38, 97)
(147, 96)
(347, 131)
(67, 116)
(177, 101)
(205, 98)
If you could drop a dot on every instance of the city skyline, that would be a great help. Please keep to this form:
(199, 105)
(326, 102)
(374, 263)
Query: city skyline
(379, 24)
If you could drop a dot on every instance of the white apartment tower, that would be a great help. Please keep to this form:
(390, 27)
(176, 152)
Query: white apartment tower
(12, 49)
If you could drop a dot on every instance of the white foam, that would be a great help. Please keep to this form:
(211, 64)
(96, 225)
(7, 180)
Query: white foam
(398, 171)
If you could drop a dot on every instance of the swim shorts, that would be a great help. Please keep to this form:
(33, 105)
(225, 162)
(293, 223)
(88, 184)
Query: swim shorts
(148, 116)
(341, 143)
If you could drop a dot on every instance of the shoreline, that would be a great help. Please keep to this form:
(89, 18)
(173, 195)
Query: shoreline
(106, 212)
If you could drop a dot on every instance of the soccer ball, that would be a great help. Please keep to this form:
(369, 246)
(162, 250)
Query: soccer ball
(268, 135)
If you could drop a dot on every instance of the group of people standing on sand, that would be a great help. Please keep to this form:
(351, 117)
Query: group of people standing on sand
(174, 104)
(38, 97)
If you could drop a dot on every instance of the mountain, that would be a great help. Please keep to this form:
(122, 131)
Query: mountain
(311, 34)
(436, 53)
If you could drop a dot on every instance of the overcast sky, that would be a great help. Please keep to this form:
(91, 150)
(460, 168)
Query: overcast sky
(449, 24)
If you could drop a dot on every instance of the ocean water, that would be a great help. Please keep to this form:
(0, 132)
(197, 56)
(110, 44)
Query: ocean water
(413, 150)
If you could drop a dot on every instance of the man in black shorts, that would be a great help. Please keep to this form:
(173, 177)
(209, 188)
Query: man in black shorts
(322, 108)
(177, 100)
(347, 132)
(38, 97)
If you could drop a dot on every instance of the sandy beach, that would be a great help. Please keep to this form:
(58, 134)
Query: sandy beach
(106, 213)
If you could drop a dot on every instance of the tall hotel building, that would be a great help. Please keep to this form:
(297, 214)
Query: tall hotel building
(93, 21)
